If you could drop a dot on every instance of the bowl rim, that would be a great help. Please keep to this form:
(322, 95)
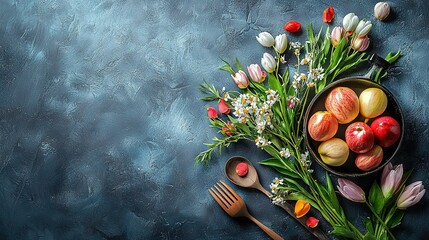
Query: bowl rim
(330, 86)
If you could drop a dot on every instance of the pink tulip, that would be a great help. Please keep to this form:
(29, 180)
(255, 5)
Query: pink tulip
(360, 43)
(350, 190)
(336, 35)
(256, 73)
(241, 79)
(390, 179)
(411, 195)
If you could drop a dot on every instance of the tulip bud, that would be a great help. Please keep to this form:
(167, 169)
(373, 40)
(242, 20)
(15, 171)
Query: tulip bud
(281, 43)
(292, 26)
(411, 195)
(265, 39)
(390, 179)
(360, 43)
(241, 79)
(363, 28)
(301, 208)
(381, 10)
(268, 62)
(256, 74)
(350, 190)
(223, 107)
(350, 21)
(336, 35)
(211, 112)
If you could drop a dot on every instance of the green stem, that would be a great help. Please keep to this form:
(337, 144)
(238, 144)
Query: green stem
(303, 103)
(380, 220)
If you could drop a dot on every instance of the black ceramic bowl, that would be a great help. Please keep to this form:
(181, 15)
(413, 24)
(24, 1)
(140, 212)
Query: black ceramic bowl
(358, 84)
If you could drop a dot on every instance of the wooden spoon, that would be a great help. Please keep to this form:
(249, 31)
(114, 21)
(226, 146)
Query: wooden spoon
(251, 180)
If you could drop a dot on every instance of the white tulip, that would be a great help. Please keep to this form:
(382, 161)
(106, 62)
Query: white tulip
(350, 21)
(268, 62)
(281, 43)
(265, 39)
(363, 28)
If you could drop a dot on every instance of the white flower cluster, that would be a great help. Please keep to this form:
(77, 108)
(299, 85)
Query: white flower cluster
(277, 200)
(248, 107)
(298, 80)
(245, 106)
(274, 186)
(308, 59)
(279, 194)
(295, 45)
(261, 141)
(316, 74)
(306, 162)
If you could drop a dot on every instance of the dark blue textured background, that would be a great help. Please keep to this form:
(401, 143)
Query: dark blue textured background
(100, 120)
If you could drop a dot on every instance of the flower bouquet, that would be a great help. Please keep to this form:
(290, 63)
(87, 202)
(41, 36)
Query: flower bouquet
(269, 110)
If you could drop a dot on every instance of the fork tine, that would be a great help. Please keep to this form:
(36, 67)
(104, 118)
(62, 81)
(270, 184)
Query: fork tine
(225, 197)
(233, 199)
(219, 199)
(231, 190)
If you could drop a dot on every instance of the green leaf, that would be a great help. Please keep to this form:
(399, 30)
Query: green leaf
(333, 196)
(209, 98)
(392, 58)
(272, 151)
(396, 219)
(343, 232)
(369, 236)
(376, 198)
(227, 67)
(368, 225)
(243, 127)
(383, 235)
(287, 173)
(275, 84)
(299, 196)
(310, 32)
(274, 162)
(239, 64)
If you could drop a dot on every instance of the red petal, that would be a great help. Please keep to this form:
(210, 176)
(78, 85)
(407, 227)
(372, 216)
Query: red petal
(328, 14)
(312, 222)
(292, 26)
(211, 112)
(223, 107)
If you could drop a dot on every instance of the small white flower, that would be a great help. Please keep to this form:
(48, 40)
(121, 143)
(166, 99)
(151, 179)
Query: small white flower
(277, 200)
(278, 181)
(285, 152)
(316, 74)
(295, 45)
(226, 96)
(274, 188)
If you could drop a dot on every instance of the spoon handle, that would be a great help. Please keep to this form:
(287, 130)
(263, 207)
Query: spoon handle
(290, 210)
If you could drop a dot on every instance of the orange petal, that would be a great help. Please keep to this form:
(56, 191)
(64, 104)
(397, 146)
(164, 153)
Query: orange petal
(301, 208)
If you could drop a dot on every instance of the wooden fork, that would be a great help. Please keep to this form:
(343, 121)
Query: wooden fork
(234, 205)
